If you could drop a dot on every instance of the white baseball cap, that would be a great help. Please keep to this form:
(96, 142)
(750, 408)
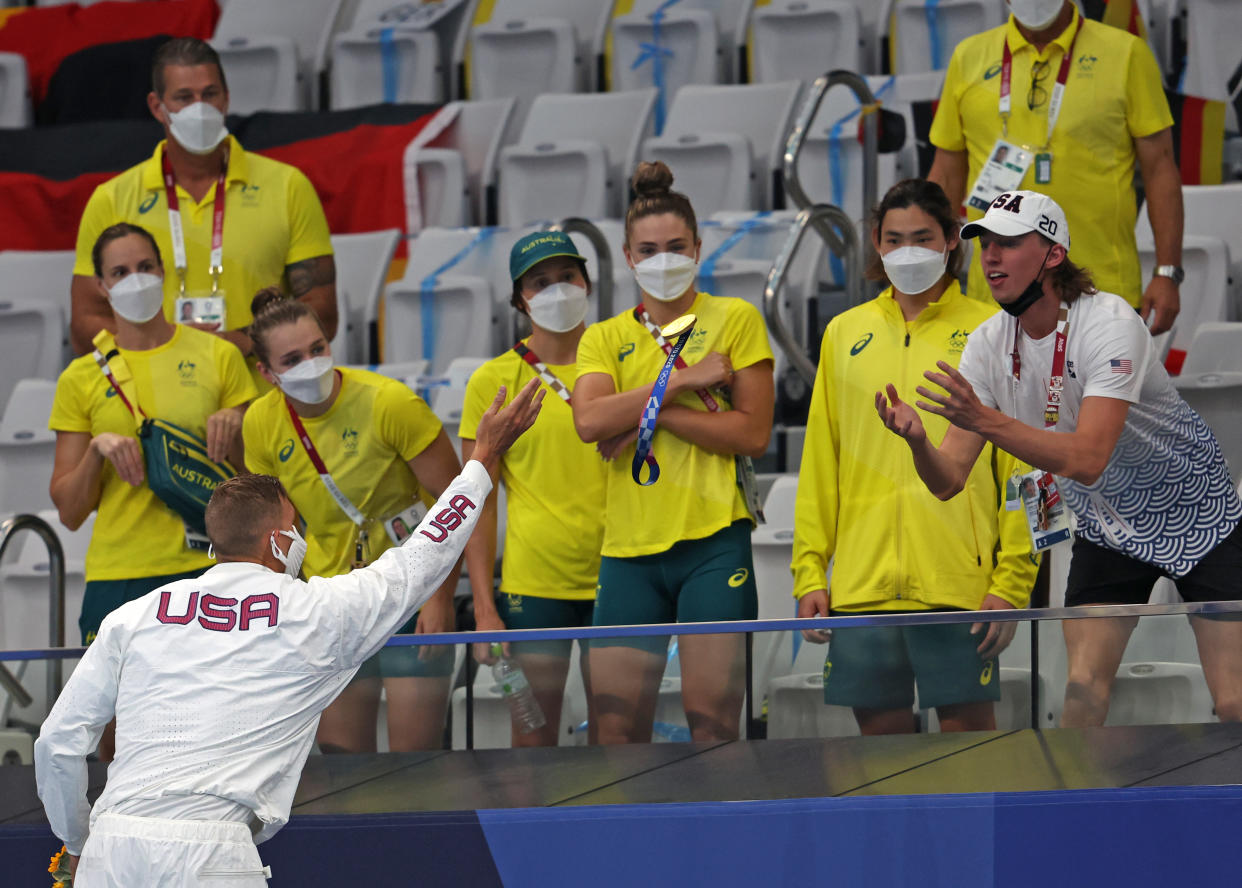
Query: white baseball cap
(1016, 212)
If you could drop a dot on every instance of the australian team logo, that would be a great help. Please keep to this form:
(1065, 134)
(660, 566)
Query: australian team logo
(349, 438)
(185, 369)
(957, 341)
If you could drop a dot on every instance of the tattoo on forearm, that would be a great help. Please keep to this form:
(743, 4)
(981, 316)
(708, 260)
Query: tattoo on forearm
(304, 276)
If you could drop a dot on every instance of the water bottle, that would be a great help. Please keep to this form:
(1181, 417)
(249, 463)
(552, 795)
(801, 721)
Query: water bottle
(523, 706)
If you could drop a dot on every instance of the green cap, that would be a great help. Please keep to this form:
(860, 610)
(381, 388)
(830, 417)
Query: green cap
(534, 248)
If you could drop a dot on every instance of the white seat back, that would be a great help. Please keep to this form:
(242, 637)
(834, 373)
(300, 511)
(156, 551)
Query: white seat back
(362, 262)
(1217, 346)
(1205, 295)
(27, 447)
(1210, 211)
(802, 39)
(923, 33)
(32, 344)
(684, 48)
(14, 91)
(373, 64)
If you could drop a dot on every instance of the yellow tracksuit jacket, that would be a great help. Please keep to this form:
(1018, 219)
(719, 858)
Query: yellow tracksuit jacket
(896, 546)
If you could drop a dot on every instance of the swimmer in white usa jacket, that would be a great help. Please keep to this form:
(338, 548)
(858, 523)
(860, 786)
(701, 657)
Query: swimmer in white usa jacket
(217, 683)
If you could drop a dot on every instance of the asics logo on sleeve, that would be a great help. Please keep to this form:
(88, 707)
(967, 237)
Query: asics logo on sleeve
(446, 520)
(861, 344)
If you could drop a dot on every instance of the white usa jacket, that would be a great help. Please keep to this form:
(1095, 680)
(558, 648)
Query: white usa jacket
(217, 683)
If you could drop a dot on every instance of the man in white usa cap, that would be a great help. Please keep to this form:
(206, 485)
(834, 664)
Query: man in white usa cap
(217, 683)
(1066, 378)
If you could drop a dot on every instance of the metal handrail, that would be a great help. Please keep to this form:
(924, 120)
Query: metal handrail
(56, 588)
(837, 231)
(603, 257)
(797, 135)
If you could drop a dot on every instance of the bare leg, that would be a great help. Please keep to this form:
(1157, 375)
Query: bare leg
(884, 721)
(1094, 648)
(625, 683)
(416, 707)
(546, 674)
(713, 684)
(979, 716)
(348, 724)
(1220, 652)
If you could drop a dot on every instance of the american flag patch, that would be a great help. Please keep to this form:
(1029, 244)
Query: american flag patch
(1121, 365)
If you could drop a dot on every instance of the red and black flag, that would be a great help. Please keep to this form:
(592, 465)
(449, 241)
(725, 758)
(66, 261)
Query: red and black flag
(354, 158)
(1198, 138)
(1123, 14)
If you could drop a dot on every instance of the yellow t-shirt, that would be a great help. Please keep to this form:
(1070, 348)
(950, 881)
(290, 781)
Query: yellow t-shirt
(183, 381)
(272, 218)
(697, 493)
(366, 438)
(555, 487)
(1113, 96)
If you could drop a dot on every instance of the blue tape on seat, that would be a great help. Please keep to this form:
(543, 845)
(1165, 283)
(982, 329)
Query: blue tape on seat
(707, 271)
(655, 53)
(390, 64)
(427, 293)
(931, 9)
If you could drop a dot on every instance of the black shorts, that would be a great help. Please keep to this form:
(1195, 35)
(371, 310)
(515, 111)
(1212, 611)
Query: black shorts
(1105, 576)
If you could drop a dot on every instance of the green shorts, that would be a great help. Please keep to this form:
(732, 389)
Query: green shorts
(102, 597)
(404, 662)
(696, 581)
(534, 612)
(877, 668)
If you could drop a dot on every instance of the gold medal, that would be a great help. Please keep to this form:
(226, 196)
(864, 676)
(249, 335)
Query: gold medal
(676, 327)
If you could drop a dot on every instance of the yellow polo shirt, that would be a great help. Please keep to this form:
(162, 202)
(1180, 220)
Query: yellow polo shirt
(697, 493)
(554, 484)
(366, 438)
(183, 381)
(272, 219)
(1113, 96)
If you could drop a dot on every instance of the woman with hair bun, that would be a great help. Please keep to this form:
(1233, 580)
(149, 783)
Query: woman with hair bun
(362, 457)
(679, 549)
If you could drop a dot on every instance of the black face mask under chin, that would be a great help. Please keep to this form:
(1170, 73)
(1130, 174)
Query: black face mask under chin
(1031, 294)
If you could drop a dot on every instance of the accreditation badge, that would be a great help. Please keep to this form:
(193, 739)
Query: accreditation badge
(1003, 171)
(201, 308)
(400, 526)
(1047, 518)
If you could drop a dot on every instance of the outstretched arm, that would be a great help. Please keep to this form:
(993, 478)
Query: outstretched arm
(944, 469)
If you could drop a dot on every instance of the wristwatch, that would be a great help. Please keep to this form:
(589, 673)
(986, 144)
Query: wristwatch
(1174, 272)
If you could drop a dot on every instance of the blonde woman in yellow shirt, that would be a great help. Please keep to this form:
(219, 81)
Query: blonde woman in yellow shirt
(387, 456)
(174, 373)
(678, 550)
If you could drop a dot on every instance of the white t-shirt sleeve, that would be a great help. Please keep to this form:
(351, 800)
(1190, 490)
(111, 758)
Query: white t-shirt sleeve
(978, 366)
(72, 730)
(1115, 355)
(369, 604)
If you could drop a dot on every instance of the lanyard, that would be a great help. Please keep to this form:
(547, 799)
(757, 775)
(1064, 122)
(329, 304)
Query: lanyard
(116, 386)
(548, 377)
(647, 421)
(1058, 89)
(640, 314)
(1056, 381)
(350, 510)
(178, 236)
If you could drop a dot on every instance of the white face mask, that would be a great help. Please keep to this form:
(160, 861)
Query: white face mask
(137, 297)
(310, 381)
(914, 270)
(1036, 14)
(666, 276)
(297, 551)
(198, 128)
(558, 308)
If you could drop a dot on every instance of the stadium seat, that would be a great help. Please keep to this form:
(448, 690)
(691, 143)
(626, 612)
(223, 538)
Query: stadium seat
(447, 400)
(272, 51)
(683, 49)
(361, 270)
(451, 179)
(1211, 211)
(1205, 294)
(802, 39)
(14, 92)
(724, 144)
(923, 33)
(1160, 694)
(38, 276)
(1217, 346)
(523, 48)
(574, 157)
(27, 446)
(796, 708)
(1216, 396)
(376, 63)
(32, 344)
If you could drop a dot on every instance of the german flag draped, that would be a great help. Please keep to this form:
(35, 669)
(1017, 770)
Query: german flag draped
(353, 158)
(1198, 138)
(47, 35)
